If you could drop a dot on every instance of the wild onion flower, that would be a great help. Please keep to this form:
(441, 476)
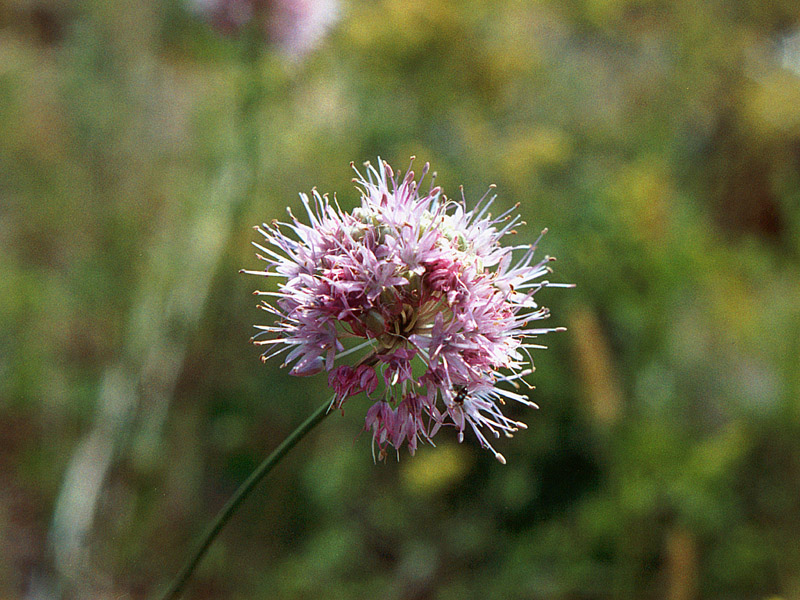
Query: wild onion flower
(411, 300)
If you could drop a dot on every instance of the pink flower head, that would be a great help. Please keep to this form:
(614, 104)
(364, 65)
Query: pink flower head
(296, 27)
(410, 296)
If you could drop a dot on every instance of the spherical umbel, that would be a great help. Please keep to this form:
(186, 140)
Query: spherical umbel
(409, 299)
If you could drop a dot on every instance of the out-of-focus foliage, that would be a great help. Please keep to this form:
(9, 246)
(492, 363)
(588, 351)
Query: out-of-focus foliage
(660, 143)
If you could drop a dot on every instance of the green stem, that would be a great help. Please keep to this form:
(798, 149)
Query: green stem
(177, 585)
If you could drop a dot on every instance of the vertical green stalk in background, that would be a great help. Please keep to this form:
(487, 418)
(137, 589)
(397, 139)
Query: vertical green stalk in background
(167, 304)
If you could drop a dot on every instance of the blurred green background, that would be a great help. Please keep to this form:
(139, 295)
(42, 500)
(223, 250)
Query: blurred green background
(660, 143)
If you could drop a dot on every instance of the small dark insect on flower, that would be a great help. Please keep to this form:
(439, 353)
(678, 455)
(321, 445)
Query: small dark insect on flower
(461, 394)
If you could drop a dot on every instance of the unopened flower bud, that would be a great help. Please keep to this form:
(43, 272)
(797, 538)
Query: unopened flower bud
(375, 322)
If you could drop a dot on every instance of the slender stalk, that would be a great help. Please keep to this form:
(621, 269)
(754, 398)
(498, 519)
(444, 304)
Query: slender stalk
(181, 579)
